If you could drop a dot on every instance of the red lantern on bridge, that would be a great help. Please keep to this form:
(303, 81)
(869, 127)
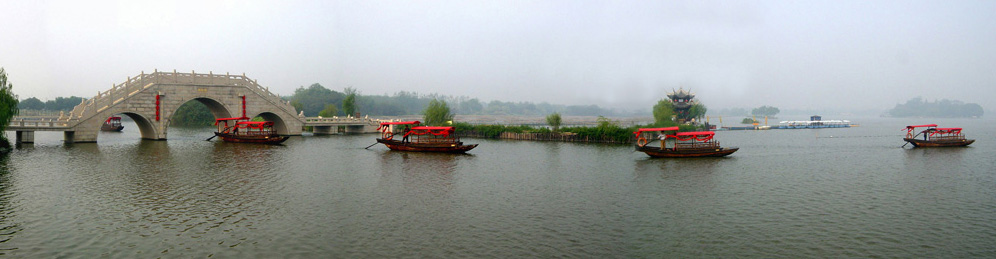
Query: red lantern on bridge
(157, 106)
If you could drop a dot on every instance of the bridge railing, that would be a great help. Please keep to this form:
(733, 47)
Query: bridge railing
(44, 123)
(104, 99)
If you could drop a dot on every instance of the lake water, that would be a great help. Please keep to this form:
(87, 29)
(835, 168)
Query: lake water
(787, 193)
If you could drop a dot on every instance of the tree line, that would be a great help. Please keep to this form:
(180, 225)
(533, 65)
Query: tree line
(59, 104)
(316, 98)
(917, 107)
(764, 110)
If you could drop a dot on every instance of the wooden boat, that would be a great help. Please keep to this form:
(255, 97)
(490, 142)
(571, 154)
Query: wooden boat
(421, 138)
(112, 124)
(686, 144)
(244, 131)
(936, 137)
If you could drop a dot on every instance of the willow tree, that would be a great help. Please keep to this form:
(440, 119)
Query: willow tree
(663, 113)
(554, 121)
(8, 106)
(437, 113)
(349, 103)
(697, 111)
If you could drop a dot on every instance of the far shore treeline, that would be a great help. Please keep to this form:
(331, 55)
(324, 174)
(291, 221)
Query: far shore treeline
(917, 107)
(59, 104)
(314, 98)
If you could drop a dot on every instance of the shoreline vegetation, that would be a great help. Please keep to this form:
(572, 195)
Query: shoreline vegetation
(606, 131)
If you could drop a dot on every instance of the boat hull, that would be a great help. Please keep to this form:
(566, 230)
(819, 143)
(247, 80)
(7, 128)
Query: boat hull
(457, 147)
(690, 152)
(265, 139)
(106, 127)
(939, 143)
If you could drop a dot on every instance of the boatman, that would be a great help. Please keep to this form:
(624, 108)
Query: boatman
(405, 138)
(662, 137)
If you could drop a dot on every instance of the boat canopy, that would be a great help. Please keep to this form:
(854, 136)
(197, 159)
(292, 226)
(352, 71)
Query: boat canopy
(382, 124)
(437, 131)
(695, 135)
(641, 130)
(115, 118)
(216, 121)
(946, 131)
(910, 128)
(254, 124)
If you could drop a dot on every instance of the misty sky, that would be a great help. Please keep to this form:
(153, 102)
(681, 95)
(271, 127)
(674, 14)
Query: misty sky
(620, 54)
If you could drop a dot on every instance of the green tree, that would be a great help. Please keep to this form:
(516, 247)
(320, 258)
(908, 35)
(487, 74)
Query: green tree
(697, 111)
(349, 103)
(314, 98)
(437, 113)
(554, 121)
(329, 111)
(31, 104)
(298, 106)
(8, 107)
(663, 112)
(192, 114)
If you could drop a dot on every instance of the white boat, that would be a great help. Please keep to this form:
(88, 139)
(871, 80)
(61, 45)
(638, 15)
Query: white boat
(815, 122)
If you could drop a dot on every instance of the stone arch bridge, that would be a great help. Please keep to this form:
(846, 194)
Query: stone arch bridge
(152, 99)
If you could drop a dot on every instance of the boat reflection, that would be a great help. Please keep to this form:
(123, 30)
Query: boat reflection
(422, 174)
(933, 159)
(647, 167)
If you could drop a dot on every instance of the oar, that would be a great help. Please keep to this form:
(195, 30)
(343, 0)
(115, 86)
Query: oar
(392, 135)
(907, 143)
(209, 139)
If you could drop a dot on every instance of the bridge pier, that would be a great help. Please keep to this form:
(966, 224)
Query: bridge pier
(324, 130)
(69, 137)
(24, 137)
(84, 136)
(358, 129)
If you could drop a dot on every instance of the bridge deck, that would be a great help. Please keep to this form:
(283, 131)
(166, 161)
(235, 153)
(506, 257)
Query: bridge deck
(37, 125)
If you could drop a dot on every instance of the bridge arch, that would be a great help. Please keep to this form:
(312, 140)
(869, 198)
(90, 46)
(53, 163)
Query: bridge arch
(278, 123)
(144, 125)
(217, 108)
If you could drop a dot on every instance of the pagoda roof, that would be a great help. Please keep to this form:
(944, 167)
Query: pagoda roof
(681, 93)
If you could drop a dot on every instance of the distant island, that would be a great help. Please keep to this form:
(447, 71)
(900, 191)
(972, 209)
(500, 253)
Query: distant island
(945, 108)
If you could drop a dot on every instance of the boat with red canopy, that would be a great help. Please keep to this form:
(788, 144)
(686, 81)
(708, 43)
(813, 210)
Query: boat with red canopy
(421, 138)
(936, 137)
(243, 131)
(685, 144)
(112, 124)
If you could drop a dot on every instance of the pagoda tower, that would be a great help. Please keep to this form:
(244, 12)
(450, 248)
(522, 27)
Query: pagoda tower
(682, 100)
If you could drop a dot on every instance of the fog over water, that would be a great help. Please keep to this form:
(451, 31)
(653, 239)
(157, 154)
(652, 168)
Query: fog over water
(793, 55)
